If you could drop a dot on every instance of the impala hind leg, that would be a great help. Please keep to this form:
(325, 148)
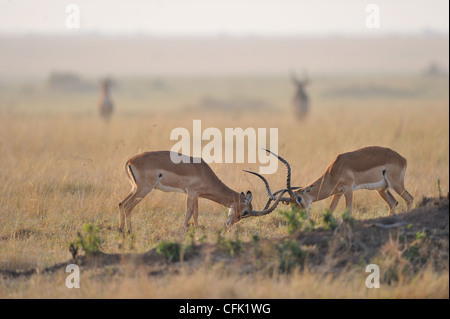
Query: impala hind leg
(401, 190)
(386, 195)
(396, 182)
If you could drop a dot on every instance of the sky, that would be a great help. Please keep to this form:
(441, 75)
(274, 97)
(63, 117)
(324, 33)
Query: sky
(224, 17)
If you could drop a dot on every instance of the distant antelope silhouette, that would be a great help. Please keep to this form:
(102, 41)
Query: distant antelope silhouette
(105, 104)
(301, 98)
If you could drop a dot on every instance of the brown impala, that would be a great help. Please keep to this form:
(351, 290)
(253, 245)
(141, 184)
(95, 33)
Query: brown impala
(301, 99)
(374, 168)
(105, 104)
(155, 170)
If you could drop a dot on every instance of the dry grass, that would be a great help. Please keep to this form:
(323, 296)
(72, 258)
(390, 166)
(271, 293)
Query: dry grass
(206, 283)
(61, 168)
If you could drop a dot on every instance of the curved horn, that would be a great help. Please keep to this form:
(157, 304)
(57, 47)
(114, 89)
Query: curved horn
(278, 191)
(288, 179)
(272, 197)
(268, 210)
(265, 182)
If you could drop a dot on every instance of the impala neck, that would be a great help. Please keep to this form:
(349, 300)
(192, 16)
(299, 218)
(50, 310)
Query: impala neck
(222, 194)
(323, 188)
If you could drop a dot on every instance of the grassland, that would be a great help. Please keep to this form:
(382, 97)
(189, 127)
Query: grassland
(62, 167)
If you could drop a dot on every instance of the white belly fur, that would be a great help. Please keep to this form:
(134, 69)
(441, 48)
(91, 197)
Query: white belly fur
(169, 189)
(371, 186)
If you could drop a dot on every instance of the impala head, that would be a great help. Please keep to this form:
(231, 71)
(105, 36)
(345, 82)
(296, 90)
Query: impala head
(300, 84)
(244, 208)
(302, 197)
(240, 209)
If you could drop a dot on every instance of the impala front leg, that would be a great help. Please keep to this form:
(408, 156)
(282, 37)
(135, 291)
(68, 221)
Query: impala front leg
(196, 213)
(128, 206)
(335, 202)
(349, 201)
(191, 204)
(122, 211)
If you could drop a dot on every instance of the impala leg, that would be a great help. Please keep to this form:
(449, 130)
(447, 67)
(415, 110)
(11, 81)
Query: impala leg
(196, 213)
(335, 202)
(190, 207)
(401, 190)
(134, 199)
(386, 195)
(396, 182)
(121, 210)
(349, 201)
(408, 199)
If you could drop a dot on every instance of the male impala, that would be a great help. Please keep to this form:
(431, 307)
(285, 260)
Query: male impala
(105, 104)
(156, 170)
(301, 99)
(373, 168)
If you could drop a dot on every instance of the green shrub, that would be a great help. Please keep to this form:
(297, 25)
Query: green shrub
(170, 250)
(230, 246)
(89, 242)
(348, 219)
(290, 255)
(294, 218)
(329, 222)
(416, 249)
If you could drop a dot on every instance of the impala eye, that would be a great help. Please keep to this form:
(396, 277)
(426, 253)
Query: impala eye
(244, 213)
(299, 199)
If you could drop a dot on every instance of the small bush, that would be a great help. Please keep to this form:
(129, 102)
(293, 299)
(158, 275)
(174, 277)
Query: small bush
(255, 239)
(416, 251)
(329, 222)
(290, 255)
(294, 217)
(170, 250)
(89, 242)
(73, 248)
(230, 246)
(256, 244)
(348, 219)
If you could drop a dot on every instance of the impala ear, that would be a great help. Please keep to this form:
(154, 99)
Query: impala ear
(248, 198)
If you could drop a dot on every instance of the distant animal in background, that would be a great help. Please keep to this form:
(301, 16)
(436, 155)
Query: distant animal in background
(434, 69)
(301, 98)
(105, 104)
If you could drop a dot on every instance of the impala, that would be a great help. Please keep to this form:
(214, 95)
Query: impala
(374, 168)
(105, 104)
(155, 170)
(301, 99)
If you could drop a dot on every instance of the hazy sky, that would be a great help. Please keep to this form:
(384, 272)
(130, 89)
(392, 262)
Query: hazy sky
(230, 17)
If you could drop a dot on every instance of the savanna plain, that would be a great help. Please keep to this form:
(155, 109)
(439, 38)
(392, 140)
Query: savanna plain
(62, 168)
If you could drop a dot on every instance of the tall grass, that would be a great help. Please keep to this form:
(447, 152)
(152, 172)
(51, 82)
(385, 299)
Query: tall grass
(61, 167)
